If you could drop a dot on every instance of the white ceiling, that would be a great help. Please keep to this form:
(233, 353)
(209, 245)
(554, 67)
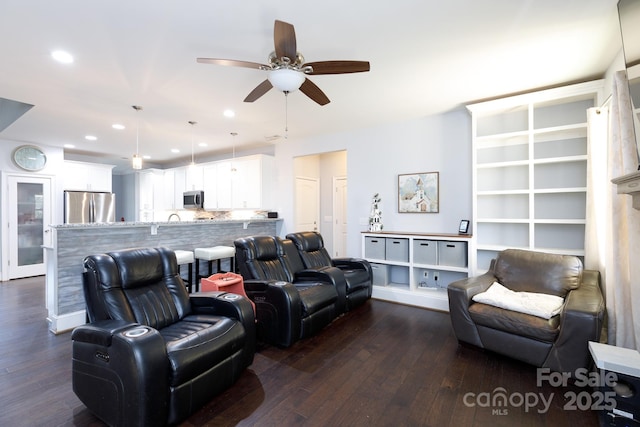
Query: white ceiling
(426, 57)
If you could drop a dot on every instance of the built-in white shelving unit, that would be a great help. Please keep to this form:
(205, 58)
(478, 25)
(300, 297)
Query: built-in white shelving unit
(530, 172)
(415, 268)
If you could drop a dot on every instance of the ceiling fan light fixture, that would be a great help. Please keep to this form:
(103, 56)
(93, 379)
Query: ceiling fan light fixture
(286, 79)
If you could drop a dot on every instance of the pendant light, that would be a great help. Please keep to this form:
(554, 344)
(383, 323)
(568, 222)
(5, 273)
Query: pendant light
(193, 161)
(136, 161)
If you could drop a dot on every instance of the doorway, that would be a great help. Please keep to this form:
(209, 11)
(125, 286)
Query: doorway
(339, 217)
(329, 173)
(29, 202)
(307, 194)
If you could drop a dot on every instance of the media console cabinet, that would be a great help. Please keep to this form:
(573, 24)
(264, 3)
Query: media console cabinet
(415, 268)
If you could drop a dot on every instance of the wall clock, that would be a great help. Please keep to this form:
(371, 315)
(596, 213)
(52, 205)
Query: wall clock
(29, 158)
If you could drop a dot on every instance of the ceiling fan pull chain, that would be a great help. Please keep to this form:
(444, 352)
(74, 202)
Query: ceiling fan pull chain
(286, 115)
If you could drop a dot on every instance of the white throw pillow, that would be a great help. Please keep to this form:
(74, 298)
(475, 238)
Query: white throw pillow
(536, 304)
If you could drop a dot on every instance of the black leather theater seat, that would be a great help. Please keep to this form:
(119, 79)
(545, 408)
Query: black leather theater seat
(151, 354)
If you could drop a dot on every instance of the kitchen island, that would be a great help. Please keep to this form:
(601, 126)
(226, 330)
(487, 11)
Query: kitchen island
(71, 243)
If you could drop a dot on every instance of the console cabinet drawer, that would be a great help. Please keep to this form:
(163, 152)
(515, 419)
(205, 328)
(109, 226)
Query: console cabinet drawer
(453, 254)
(374, 247)
(380, 274)
(397, 249)
(425, 251)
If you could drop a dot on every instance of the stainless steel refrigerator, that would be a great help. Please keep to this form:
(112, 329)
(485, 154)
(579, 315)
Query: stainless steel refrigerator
(82, 207)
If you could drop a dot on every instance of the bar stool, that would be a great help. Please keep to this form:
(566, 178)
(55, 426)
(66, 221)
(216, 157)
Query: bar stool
(186, 257)
(215, 253)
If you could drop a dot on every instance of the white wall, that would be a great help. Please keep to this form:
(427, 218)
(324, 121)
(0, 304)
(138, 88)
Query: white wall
(375, 157)
(55, 161)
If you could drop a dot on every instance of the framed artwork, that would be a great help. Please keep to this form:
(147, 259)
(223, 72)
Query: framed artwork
(418, 193)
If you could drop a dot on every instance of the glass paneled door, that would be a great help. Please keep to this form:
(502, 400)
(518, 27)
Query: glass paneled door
(29, 220)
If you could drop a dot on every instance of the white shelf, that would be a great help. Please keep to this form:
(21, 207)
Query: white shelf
(529, 171)
(567, 159)
(503, 164)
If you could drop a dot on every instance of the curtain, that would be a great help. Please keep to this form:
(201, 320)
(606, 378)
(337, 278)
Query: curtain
(598, 215)
(612, 243)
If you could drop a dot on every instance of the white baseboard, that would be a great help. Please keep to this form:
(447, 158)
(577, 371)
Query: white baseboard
(435, 299)
(66, 322)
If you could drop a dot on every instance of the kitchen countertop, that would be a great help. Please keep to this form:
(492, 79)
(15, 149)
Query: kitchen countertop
(71, 243)
(164, 223)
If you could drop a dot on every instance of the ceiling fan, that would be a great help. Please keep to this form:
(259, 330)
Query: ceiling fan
(287, 69)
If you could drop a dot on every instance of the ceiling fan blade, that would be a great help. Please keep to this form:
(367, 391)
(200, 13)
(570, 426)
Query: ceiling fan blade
(284, 39)
(312, 91)
(260, 90)
(231, 62)
(338, 67)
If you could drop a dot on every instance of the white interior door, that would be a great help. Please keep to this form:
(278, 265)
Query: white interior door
(307, 201)
(340, 217)
(29, 219)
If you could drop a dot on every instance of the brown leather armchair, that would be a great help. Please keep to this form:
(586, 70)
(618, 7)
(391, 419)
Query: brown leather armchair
(559, 343)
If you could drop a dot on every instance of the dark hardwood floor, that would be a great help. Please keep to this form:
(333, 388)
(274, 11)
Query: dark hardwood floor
(383, 364)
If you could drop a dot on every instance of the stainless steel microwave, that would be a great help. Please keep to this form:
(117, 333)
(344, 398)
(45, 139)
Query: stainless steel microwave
(193, 199)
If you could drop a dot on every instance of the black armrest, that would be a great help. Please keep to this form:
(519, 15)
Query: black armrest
(278, 310)
(352, 263)
(101, 332)
(581, 321)
(229, 305)
(331, 275)
(132, 360)
(460, 294)
(223, 304)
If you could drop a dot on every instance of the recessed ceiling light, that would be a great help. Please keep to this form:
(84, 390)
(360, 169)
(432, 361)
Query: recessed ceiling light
(175, 150)
(69, 146)
(203, 144)
(146, 157)
(229, 113)
(91, 138)
(62, 56)
(117, 126)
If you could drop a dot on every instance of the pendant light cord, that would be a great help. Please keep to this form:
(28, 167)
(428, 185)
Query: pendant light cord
(137, 108)
(192, 123)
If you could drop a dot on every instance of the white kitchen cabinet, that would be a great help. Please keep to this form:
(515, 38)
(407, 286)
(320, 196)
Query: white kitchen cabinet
(530, 172)
(81, 176)
(169, 191)
(240, 183)
(152, 195)
(193, 177)
(217, 185)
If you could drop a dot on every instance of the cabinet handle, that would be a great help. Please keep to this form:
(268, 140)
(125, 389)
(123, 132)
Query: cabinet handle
(451, 246)
(396, 243)
(424, 244)
(374, 241)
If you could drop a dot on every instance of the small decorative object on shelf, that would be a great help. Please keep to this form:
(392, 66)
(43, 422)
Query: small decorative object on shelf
(375, 217)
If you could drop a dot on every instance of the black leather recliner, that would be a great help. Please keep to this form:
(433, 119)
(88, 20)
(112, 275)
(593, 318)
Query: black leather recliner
(357, 272)
(291, 302)
(152, 354)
